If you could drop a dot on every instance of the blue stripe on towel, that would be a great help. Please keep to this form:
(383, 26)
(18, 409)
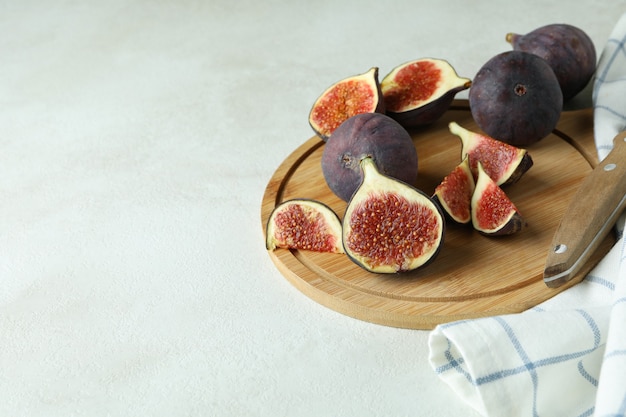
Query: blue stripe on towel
(456, 363)
(601, 281)
(586, 375)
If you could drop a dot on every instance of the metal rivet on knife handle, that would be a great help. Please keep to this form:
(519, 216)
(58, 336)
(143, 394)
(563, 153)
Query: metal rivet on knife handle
(589, 218)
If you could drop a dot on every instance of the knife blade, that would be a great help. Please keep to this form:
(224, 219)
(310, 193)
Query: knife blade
(589, 218)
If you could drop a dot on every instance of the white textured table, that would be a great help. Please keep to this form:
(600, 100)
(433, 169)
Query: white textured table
(136, 141)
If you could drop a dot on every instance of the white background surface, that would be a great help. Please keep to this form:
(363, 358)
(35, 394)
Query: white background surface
(136, 141)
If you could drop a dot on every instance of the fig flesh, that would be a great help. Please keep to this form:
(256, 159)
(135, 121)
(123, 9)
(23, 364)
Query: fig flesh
(567, 49)
(493, 213)
(304, 224)
(516, 98)
(367, 134)
(454, 193)
(419, 92)
(345, 98)
(505, 164)
(390, 226)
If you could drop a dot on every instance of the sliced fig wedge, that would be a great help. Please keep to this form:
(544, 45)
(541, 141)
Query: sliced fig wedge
(304, 224)
(504, 163)
(390, 226)
(348, 97)
(455, 192)
(493, 213)
(419, 92)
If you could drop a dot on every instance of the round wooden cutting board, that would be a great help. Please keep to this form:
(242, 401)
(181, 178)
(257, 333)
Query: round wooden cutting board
(473, 275)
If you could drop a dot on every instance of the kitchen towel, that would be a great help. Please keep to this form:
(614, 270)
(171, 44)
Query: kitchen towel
(567, 356)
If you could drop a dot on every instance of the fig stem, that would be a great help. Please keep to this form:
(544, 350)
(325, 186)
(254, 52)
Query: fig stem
(368, 164)
(510, 37)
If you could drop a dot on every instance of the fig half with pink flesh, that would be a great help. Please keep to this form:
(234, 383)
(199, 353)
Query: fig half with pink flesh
(419, 92)
(348, 97)
(390, 226)
(304, 224)
(505, 164)
(454, 193)
(493, 213)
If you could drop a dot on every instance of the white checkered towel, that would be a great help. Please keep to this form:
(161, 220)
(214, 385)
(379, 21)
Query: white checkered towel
(567, 356)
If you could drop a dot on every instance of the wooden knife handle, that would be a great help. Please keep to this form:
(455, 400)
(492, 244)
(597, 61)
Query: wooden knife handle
(590, 216)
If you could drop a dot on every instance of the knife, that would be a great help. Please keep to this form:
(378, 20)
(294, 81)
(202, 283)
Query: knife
(590, 216)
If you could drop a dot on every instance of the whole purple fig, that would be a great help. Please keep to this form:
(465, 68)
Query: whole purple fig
(363, 135)
(515, 97)
(568, 49)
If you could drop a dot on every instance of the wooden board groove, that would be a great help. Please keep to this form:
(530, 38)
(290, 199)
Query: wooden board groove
(473, 276)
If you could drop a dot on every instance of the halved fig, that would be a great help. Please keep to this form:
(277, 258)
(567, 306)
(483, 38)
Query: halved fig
(455, 192)
(419, 92)
(504, 163)
(352, 95)
(304, 224)
(390, 226)
(493, 213)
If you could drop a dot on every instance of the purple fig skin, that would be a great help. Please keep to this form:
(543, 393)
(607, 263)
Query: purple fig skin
(428, 113)
(516, 98)
(568, 49)
(368, 134)
(514, 225)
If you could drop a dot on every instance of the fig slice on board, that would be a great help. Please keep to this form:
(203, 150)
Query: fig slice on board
(345, 98)
(390, 226)
(454, 193)
(504, 163)
(493, 213)
(419, 92)
(304, 224)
